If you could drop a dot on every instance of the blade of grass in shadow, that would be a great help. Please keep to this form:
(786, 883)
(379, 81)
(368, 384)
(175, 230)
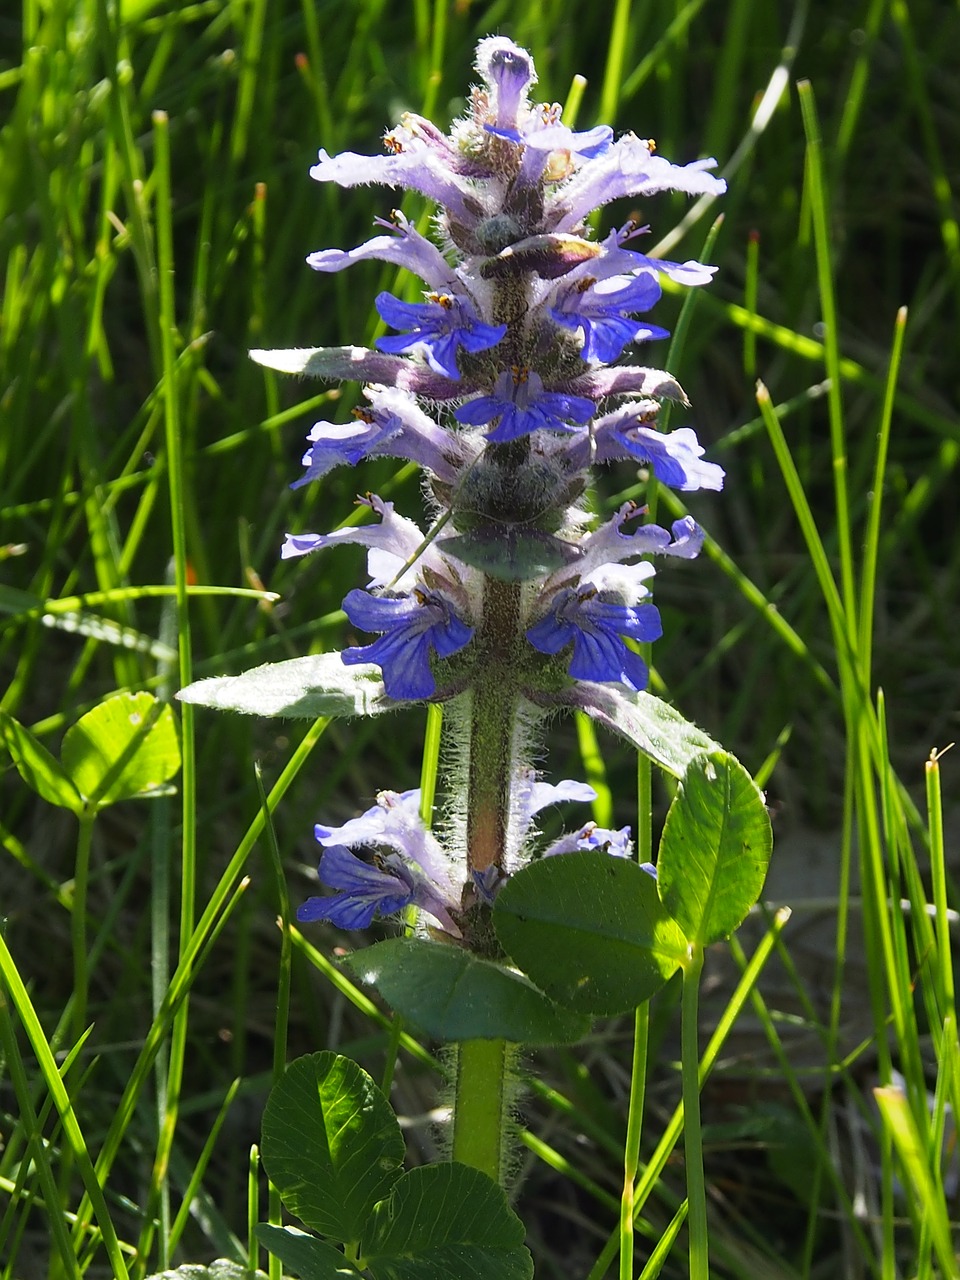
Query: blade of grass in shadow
(39, 1153)
(179, 1224)
(212, 919)
(674, 1127)
(73, 1136)
(274, 1204)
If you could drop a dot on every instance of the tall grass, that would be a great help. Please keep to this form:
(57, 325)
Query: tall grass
(154, 216)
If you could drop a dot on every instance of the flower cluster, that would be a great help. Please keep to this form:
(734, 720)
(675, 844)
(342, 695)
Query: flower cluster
(407, 866)
(510, 378)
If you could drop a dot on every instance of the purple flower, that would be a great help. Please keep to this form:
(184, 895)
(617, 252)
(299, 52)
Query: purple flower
(619, 261)
(439, 327)
(609, 545)
(363, 891)
(415, 162)
(594, 619)
(628, 167)
(674, 457)
(399, 555)
(522, 405)
(410, 627)
(602, 307)
(532, 795)
(406, 247)
(590, 836)
(394, 426)
(414, 872)
(394, 822)
(335, 444)
(509, 72)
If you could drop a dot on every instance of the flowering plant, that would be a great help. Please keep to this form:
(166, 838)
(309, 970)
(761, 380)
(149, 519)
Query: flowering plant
(507, 383)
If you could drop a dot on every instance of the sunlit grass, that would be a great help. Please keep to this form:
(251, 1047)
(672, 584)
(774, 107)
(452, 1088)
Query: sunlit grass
(155, 213)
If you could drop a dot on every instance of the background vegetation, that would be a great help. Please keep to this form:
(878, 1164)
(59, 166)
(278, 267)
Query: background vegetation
(155, 212)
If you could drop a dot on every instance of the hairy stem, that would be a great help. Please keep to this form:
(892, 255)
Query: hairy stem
(479, 1124)
(493, 717)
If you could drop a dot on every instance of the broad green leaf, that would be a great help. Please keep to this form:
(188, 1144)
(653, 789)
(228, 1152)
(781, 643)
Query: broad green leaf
(39, 769)
(306, 1256)
(125, 747)
(715, 848)
(653, 726)
(443, 1221)
(331, 1144)
(454, 995)
(222, 1269)
(305, 688)
(589, 929)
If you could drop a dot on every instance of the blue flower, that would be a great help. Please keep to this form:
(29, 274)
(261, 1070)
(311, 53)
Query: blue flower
(522, 405)
(532, 795)
(411, 626)
(439, 326)
(336, 444)
(593, 618)
(414, 871)
(363, 891)
(619, 261)
(601, 308)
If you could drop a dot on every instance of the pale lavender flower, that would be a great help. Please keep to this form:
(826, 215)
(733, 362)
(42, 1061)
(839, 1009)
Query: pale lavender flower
(616, 843)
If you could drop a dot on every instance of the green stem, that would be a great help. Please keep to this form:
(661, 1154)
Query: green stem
(631, 1152)
(692, 1135)
(480, 1110)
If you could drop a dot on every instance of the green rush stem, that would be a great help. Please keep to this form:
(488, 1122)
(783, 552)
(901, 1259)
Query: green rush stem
(631, 1151)
(492, 719)
(78, 921)
(692, 1134)
(158, 1195)
(479, 1115)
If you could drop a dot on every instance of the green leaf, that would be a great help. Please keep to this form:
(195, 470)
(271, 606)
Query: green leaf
(39, 769)
(653, 726)
(331, 1144)
(125, 747)
(307, 1257)
(510, 553)
(305, 688)
(454, 995)
(222, 1269)
(715, 848)
(443, 1221)
(589, 929)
